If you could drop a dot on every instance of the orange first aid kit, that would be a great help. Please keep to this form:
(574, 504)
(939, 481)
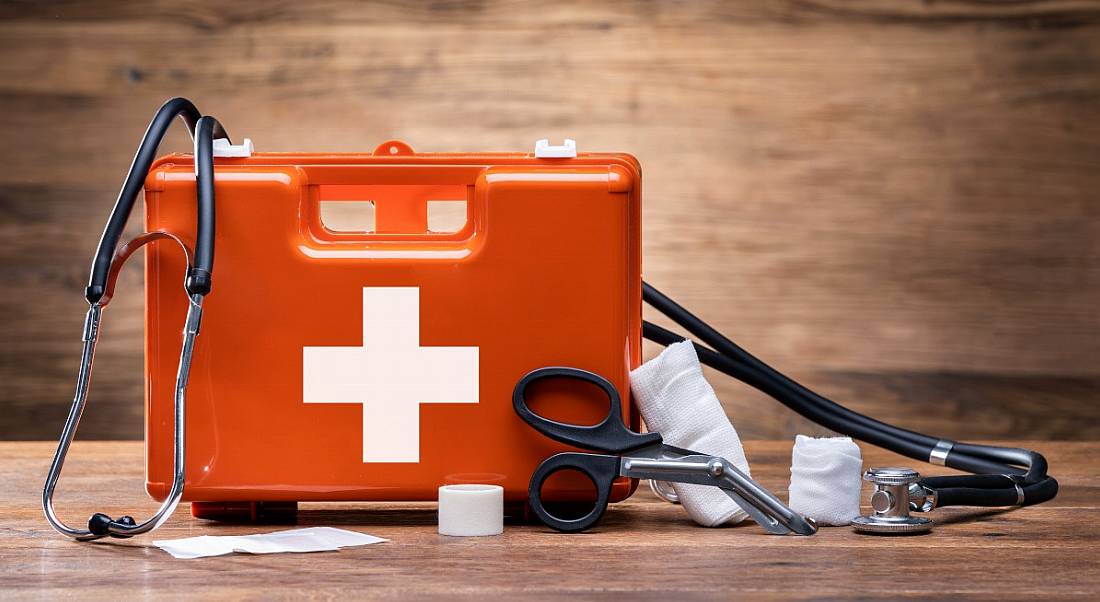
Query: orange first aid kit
(378, 363)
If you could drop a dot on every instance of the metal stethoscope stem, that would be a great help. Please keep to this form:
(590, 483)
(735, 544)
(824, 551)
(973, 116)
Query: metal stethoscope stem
(101, 525)
(83, 379)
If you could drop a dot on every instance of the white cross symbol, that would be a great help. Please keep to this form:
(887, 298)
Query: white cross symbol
(391, 374)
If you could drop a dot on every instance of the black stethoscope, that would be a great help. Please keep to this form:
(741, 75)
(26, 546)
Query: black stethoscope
(105, 268)
(1002, 476)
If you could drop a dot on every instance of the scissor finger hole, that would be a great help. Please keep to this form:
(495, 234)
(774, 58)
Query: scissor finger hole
(568, 494)
(567, 400)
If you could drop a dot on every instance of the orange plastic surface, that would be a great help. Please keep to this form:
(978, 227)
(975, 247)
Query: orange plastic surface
(547, 271)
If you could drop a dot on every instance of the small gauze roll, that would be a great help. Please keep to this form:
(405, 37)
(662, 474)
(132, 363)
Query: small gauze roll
(677, 401)
(826, 477)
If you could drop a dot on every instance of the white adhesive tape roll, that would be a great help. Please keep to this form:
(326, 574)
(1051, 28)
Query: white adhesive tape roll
(471, 510)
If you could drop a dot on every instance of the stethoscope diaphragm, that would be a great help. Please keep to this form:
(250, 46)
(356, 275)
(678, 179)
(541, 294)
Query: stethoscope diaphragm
(890, 501)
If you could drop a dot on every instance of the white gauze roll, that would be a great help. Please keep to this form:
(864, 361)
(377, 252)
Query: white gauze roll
(677, 402)
(826, 476)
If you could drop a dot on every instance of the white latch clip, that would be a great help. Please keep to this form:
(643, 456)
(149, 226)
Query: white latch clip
(222, 148)
(543, 149)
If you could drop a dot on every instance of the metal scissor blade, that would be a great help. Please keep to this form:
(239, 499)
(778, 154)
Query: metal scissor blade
(763, 507)
(770, 524)
(779, 523)
(750, 494)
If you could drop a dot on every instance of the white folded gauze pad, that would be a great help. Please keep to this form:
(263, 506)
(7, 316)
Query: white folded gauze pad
(826, 477)
(677, 402)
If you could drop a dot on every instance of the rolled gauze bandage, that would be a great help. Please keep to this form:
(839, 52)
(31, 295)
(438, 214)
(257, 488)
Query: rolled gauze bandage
(677, 402)
(471, 510)
(826, 476)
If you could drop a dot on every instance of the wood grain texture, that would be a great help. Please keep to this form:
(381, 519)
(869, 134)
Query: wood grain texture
(897, 202)
(644, 549)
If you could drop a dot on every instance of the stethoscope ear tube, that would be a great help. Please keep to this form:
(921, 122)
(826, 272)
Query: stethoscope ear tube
(1018, 474)
(199, 276)
(135, 180)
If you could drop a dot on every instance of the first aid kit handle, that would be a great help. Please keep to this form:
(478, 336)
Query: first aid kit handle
(610, 435)
(203, 134)
(602, 470)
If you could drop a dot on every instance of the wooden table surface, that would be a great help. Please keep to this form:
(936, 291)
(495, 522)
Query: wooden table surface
(644, 549)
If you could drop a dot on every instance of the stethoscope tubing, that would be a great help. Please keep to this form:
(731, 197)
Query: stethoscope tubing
(135, 181)
(1008, 465)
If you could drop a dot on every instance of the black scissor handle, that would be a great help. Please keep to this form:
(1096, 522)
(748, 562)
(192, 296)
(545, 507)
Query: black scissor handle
(610, 435)
(602, 470)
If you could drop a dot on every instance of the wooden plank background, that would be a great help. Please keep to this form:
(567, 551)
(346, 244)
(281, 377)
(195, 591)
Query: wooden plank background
(896, 202)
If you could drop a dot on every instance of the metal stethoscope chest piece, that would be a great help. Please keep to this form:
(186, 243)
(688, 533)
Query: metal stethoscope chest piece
(896, 493)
